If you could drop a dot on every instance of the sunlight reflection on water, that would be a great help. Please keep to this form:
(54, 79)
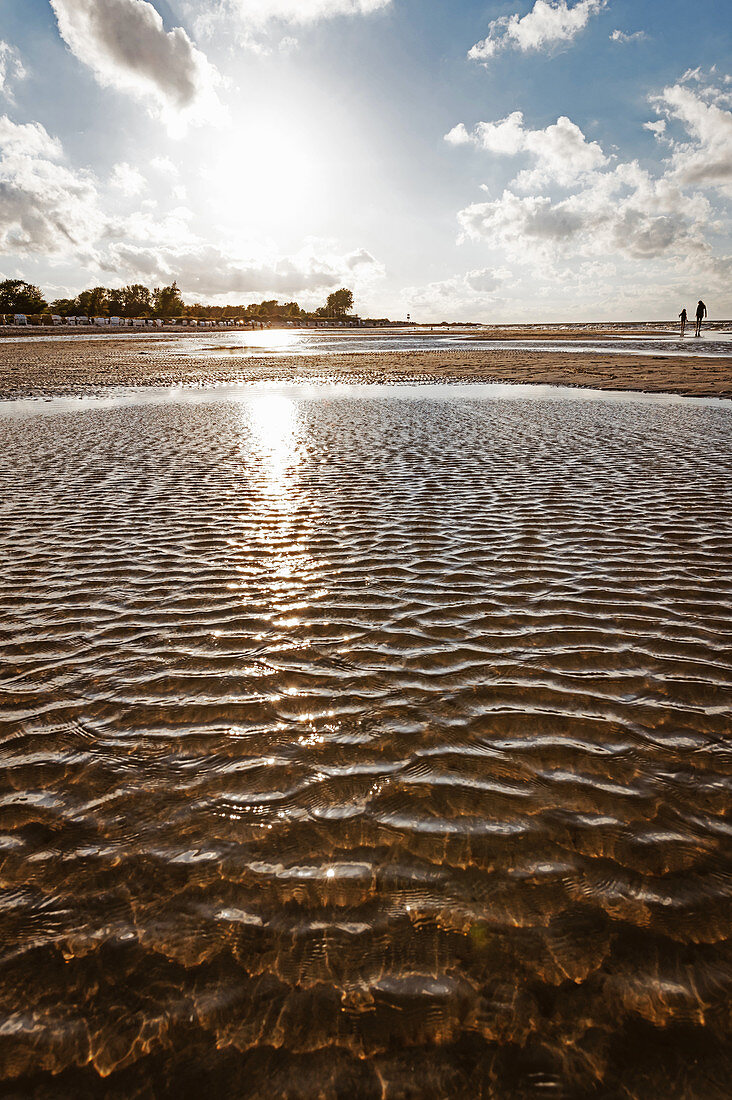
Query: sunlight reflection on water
(353, 342)
(366, 741)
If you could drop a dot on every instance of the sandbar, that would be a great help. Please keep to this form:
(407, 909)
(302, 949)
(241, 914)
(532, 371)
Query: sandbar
(76, 364)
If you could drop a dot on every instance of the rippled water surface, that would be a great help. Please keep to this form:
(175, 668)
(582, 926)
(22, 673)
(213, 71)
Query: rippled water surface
(366, 746)
(288, 343)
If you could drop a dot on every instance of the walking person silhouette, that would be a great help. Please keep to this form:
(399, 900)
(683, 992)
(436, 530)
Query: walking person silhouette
(701, 312)
(684, 318)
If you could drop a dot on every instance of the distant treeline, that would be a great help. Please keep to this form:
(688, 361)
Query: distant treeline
(135, 300)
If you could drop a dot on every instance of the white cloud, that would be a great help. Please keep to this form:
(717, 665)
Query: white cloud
(590, 290)
(612, 208)
(257, 25)
(126, 46)
(165, 166)
(706, 160)
(561, 151)
(51, 209)
(621, 36)
(11, 69)
(622, 211)
(260, 12)
(473, 294)
(692, 74)
(363, 264)
(549, 22)
(128, 180)
(513, 219)
(45, 207)
(306, 11)
(205, 270)
(30, 140)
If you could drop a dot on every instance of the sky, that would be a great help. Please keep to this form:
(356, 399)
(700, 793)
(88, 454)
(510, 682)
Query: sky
(527, 160)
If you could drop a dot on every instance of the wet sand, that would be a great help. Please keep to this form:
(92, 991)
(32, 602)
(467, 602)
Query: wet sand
(79, 364)
(370, 747)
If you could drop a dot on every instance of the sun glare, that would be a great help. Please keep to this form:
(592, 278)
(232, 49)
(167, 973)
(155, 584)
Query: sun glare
(271, 339)
(265, 172)
(273, 419)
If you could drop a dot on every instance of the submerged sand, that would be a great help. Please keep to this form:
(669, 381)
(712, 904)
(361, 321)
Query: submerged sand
(368, 748)
(79, 364)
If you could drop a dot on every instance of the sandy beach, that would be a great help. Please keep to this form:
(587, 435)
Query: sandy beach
(65, 365)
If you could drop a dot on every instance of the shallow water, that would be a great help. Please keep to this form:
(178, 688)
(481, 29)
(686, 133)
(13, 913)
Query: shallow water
(288, 343)
(366, 743)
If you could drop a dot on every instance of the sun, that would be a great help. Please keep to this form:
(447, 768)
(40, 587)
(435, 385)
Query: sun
(265, 179)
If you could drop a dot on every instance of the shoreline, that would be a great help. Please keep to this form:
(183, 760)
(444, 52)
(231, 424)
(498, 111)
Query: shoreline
(54, 367)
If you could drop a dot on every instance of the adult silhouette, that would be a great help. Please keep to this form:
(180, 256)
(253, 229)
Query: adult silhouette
(701, 312)
(683, 315)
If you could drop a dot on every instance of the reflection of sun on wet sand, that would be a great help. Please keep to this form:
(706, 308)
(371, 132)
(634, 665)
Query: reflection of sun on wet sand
(71, 364)
(369, 746)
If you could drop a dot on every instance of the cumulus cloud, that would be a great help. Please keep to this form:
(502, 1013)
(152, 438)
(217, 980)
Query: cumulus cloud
(473, 294)
(588, 289)
(548, 23)
(305, 11)
(128, 180)
(557, 240)
(126, 46)
(45, 206)
(164, 165)
(611, 207)
(706, 160)
(260, 12)
(258, 24)
(155, 246)
(361, 262)
(620, 211)
(50, 208)
(11, 69)
(513, 218)
(561, 151)
(210, 271)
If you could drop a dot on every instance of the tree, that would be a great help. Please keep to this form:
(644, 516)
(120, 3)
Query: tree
(93, 303)
(137, 301)
(195, 310)
(63, 307)
(19, 297)
(115, 303)
(167, 302)
(340, 302)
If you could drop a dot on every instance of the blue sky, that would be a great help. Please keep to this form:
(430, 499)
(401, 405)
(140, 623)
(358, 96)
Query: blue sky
(548, 160)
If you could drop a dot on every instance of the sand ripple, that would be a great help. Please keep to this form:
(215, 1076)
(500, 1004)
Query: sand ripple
(367, 747)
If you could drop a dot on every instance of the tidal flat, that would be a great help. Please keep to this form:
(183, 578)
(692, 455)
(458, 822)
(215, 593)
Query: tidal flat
(615, 358)
(365, 741)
